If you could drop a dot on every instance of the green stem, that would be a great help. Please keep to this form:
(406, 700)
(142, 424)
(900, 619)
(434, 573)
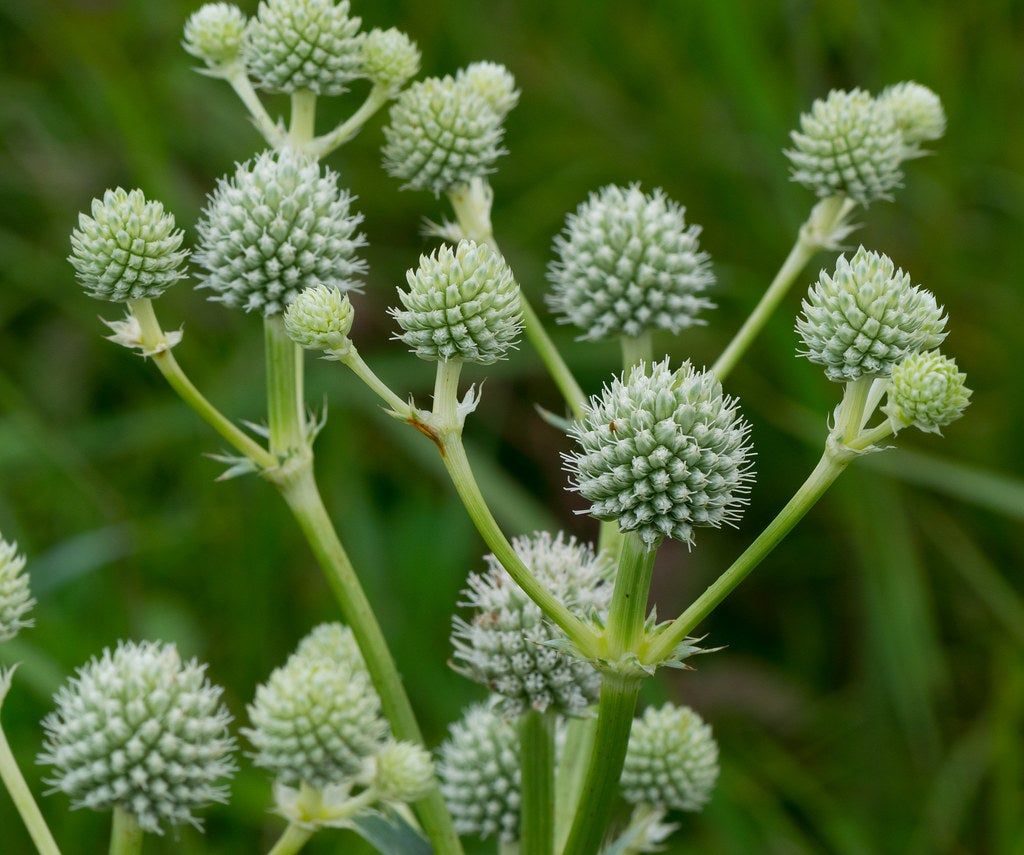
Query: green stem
(325, 144)
(508, 847)
(537, 764)
(572, 771)
(628, 610)
(243, 87)
(286, 409)
(303, 123)
(125, 834)
(637, 349)
(871, 437)
(292, 840)
(851, 411)
(352, 359)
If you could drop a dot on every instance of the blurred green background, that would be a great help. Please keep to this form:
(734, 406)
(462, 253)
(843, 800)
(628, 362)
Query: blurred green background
(871, 699)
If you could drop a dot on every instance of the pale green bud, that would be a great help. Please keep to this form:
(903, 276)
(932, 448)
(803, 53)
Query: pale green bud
(214, 34)
(15, 598)
(403, 772)
(493, 82)
(917, 111)
(927, 391)
(320, 318)
(389, 58)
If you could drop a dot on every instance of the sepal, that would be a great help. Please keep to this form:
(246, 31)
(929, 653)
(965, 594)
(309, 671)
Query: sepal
(128, 333)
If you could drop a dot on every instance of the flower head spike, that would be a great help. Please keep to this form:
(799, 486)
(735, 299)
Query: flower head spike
(662, 452)
(928, 391)
(320, 318)
(441, 136)
(628, 263)
(866, 317)
(389, 58)
(403, 772)
(279, 225)
(214, 34)
(334, 641)
(672, 760)
(479, 772)
(917, 112)
(493, 82)
(848, 144)
(129, 249)
(462, 303)
(15, 598)
(140, 729)
(303, 44)
(507, 643)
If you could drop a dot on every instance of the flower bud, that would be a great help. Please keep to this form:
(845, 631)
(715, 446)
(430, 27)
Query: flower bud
(320, 318)
(15, 598)
(129, 249)
(672, 760)
(139, 729)
(848, 144)
(662, 453)
(866, 317)
(492, 82)
(461, 304)
(214, 34)
(389, 58)
(403, 772)
(303, 44)
(279, 225)
(917, 112)
(334, 641)
(507, 643)
(628, 263)
(927, 391)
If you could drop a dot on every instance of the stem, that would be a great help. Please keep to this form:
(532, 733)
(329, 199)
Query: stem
(572, 770)
(871, 437)
(240, 82)
(303, 125)
(21, 795)
(285, 400)
(537, 762)
(508, 847)
(637, 349)
(354, 361)
(292, 840)
(325, 144)
(851, 411)
(628, 610)
(125, 834)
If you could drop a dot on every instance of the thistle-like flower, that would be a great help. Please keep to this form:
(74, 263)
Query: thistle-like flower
(866, 317)
(461, 304)
(493, 82)
(15, 598)
(402, 772)
(480, 775)
(441, 135)
(279, 225)
(507, 643)
(928, 391)
(662, 452)
(848, 144)
(320, 318)
(214, 34)
(917, 112)
(129, 249)
(628, 263)
(140, 729)
(303, 44)
(334, 641)
(389, 58)
(672, 760)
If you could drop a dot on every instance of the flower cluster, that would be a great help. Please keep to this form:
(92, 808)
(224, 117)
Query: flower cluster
(389, 58)
(15, 598)
(214, 34)
(320, 318)
(928, 391)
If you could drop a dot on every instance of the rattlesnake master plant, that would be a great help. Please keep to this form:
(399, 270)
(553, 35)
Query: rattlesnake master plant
(15, 598)
(402, 772)
(927, 391)
(388, 58)
(917, 111)
(627, 263)
(140, 729)
(506, 644)
(492, 82)
(320, 318)
(214, 34)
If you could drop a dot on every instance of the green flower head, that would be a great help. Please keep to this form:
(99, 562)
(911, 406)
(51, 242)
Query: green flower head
(928, 391)
(214, 34)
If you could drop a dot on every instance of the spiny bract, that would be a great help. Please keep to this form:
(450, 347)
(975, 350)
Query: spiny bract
(214, 33)
(662, 452)
(403, 772)
(320, 318)
(389, 58)
(129, 249)
(628, 263)
(848, 144)
(140, 729)
(479, 772)
(303, 44)
(505, 645)
(917, 111)
(15, 598)
(462, 303)
(493, 82)
(866, 317)
(279, 225)
(672, 760)
(928, 391)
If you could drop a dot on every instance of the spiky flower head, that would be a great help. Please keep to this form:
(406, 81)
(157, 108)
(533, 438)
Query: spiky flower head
(507, 642)
(672, 760)
(389, 58)
(303, 44)
(848, 144)
(129, 249)
(480, 776)
(661, 452)
(403, 772)
(317, 718)
(493, 82)
(320, 318)
(462, 303)
(917, 112)
(279, 225)
(866, 317)
(628, 263)
(15, 598)
(214, 34)
(928, 391)
(140, 729)
(335, 641)
(441, 135)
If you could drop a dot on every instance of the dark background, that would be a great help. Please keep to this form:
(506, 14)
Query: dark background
(871, 697)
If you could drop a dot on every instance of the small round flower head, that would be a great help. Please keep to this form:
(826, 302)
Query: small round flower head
(15, 598)
(403, 772)
(334, 641)
(848, 144)
(317, 719)
(917, 112)
(279, 225)
(303, 44)
(927, 391)
(320, 318)
(672, 760)
(462, 303)
(129, 249)
(441, 136)
(214, 34)
(492, 82)
(628, 263)
(389, 58)
(506, 644)
(866, 317)
(139, 729)
(662, 452)
(479, 772)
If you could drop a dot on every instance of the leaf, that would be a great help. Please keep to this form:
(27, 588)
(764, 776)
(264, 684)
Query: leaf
(390, 834)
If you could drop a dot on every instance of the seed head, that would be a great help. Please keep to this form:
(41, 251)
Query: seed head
(389, 58)
(320, 318)
(492, 82)
(15, 598)
(917, 112)
(403, 772)
(927, 391)
(214, 34)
